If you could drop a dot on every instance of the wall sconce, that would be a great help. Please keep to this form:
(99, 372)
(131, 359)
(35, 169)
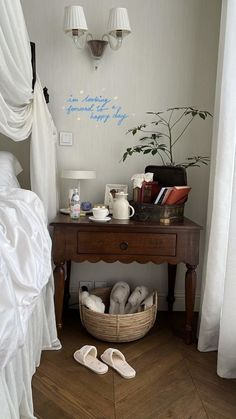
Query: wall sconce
(75, 26)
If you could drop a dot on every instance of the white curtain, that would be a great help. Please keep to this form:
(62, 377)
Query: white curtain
(21, 110)
(42, 153)
(218, 315)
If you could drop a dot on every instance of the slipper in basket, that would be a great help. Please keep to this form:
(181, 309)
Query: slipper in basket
(87, 356)
(117, 361)
(118, 297)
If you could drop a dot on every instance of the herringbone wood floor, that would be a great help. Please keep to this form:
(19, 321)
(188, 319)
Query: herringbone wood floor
(173, 380)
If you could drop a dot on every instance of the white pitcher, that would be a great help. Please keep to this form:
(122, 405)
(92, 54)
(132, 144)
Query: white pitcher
(121, 207)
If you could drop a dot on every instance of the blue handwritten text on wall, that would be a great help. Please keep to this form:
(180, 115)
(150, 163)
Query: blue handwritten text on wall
(98, 108)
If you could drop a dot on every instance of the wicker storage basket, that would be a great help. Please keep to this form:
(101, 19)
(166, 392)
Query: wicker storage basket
(117, 327)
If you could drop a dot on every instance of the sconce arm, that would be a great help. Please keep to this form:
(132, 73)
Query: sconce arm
(80, 42)
(115, 45)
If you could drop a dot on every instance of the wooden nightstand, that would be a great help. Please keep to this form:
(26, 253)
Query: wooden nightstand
(127, 241)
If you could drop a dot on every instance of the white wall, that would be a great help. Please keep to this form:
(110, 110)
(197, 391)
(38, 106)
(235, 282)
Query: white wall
(21, 151)
(169, 60)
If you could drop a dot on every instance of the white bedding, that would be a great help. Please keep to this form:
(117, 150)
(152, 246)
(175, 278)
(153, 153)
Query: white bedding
(25, 265)
(27, 319)
(15, 379)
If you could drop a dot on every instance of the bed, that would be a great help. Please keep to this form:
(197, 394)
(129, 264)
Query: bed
(27, 321)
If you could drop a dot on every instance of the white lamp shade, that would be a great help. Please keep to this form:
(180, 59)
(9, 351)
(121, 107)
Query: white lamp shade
(118, 21)
(74, 18)
(78, 174)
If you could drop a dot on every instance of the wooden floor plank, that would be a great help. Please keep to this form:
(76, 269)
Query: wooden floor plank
(150, 367)
(89, 391)
(213, 412)
(210, 387)
(158, 394)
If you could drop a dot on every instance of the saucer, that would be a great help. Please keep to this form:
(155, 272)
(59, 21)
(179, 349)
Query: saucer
(65, 211)
(100, 220)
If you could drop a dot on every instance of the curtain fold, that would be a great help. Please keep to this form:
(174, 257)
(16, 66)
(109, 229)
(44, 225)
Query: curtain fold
(16, 94)
(23, 112)
(218, 315)
(42, 153)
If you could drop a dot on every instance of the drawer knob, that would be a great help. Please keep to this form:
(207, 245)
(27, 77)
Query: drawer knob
(124, 246)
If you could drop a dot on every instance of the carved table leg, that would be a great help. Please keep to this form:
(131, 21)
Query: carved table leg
(190, 288)
(67, 284)
(171, 286)
(59, 280)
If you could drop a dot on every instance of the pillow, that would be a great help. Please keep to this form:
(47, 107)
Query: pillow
(9, 169)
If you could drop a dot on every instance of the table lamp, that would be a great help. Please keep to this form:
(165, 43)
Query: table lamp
(78, 175)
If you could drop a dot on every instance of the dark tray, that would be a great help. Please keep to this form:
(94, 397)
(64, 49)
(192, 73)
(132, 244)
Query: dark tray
(164, 214)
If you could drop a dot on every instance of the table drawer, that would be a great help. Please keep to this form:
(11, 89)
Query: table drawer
(126, 243)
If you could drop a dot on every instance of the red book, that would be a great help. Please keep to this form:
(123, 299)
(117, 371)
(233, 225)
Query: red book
(178, 195)
(149, 191)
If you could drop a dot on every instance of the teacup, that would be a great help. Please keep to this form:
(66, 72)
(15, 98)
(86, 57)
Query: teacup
(100, 212)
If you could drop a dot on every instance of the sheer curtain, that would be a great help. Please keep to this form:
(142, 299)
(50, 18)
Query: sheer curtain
(218, 314)
(23, 112)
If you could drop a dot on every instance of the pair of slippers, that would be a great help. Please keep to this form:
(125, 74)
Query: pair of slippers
(122, 302)
(87, 356)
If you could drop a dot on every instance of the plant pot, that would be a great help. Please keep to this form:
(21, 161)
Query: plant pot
(168, 175)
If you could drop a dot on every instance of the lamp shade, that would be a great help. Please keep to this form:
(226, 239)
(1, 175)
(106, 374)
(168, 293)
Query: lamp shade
(74, 18)
(118, 21)
(78, 174)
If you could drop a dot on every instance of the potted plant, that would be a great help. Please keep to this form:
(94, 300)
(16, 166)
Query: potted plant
(160, 136)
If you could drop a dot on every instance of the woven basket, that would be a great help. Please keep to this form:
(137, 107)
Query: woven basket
(117, 327)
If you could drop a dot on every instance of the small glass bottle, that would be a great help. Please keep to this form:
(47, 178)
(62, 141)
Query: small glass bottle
(75, 205)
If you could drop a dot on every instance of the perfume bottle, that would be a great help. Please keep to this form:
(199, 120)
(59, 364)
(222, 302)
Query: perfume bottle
(75, 205)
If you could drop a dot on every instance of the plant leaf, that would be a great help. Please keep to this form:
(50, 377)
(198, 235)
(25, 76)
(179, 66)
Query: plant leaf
(125, 156)
(145, 138)
(202, 115)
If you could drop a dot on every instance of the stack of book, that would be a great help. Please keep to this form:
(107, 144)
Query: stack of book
(172, 195)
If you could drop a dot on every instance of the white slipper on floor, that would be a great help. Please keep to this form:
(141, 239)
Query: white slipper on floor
(116, 360)
(87, 356)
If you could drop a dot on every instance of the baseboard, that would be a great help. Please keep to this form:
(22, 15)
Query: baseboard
(179, 304)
